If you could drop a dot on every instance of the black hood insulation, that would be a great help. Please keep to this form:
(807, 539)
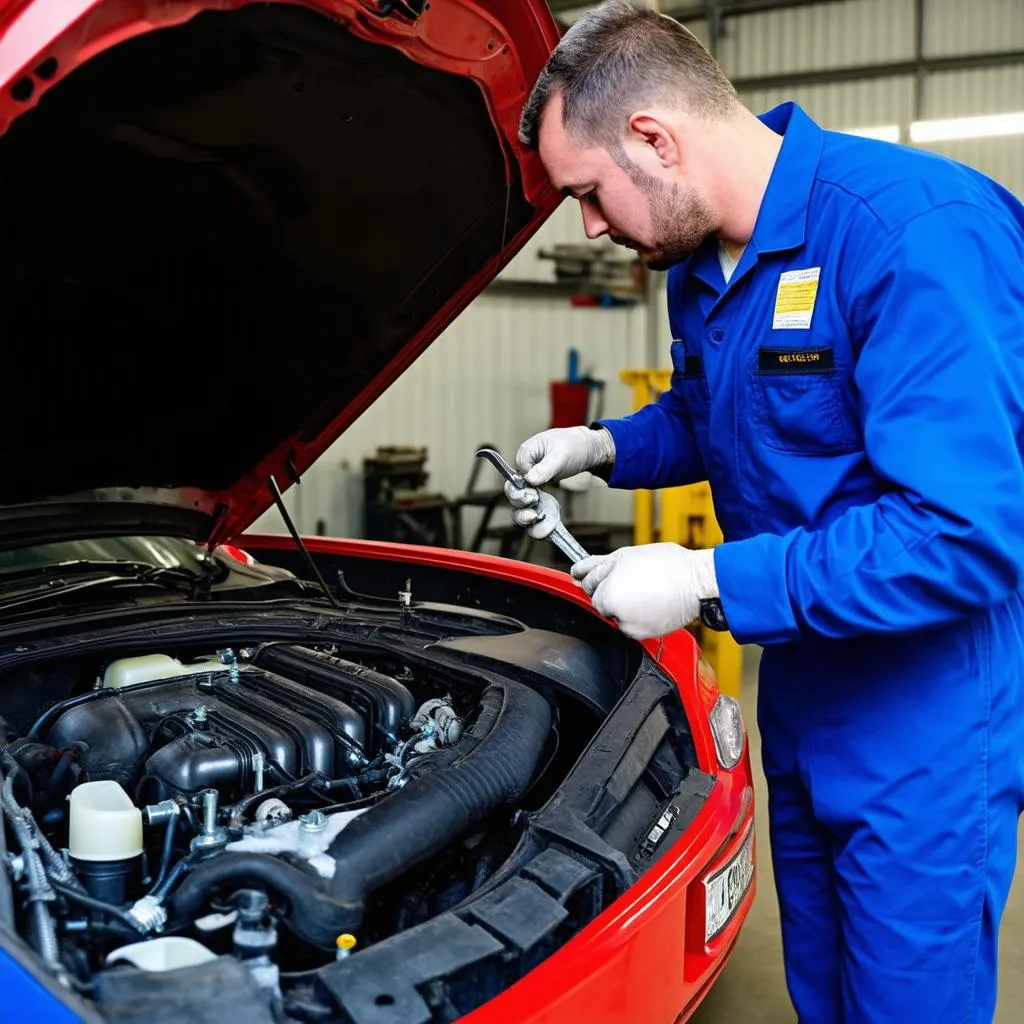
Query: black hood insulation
(214, 237)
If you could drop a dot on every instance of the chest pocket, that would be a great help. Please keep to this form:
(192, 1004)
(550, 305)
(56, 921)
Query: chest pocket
(799, 402)
(690, 382)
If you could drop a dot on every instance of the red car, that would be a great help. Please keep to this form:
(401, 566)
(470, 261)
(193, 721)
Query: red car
(247, 779)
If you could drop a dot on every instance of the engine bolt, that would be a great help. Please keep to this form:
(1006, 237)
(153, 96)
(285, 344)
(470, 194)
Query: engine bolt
(314, 821)
(209, 811)
(161, 813)
(211, 838)
(229, 658)
(311, 825)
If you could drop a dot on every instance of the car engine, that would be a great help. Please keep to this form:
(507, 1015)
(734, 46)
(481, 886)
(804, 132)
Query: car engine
(388, 817)
(321, 777)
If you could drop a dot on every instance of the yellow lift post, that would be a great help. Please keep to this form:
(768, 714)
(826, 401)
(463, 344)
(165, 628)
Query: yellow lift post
(688, 518)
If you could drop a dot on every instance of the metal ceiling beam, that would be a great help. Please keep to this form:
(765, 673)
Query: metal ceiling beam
(919, 66)
(860, 72)
(691, 11)
(922, 72)
(734, 8)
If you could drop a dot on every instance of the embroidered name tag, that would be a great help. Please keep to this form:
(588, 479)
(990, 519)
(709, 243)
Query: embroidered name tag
(794, 300)
(790, 360)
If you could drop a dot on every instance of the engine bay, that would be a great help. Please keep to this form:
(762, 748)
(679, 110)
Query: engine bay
(300, 808)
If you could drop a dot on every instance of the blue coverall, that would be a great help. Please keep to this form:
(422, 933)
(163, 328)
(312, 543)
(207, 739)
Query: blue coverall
(861, 425)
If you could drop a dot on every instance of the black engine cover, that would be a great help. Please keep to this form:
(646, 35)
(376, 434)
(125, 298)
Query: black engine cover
(203, 731)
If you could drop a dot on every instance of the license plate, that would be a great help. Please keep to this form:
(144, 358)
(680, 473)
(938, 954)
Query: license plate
(724, 890)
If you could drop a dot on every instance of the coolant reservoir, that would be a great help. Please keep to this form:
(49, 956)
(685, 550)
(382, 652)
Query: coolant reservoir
(104, 824)
(167, 953)
(147, 667)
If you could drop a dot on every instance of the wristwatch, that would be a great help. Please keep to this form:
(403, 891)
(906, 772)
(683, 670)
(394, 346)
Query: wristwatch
(712, 615)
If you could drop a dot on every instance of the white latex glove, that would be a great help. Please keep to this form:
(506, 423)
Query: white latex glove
(563, 452)
(651, 589)
(536, 511)
(581, 483)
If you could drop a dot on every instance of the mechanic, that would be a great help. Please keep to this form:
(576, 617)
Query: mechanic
(848, 318)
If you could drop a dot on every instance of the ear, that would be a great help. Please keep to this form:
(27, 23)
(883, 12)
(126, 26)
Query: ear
(657, 137)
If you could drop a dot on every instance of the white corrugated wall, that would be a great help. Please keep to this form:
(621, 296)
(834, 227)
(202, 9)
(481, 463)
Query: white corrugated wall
(486, 377)
(820, 37)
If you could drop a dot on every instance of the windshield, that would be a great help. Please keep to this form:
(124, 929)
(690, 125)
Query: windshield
(160, 552)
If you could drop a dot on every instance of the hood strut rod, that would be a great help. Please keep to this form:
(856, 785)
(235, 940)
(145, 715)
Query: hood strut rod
(279, 501)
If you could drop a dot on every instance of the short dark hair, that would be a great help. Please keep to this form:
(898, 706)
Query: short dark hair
(615, 59)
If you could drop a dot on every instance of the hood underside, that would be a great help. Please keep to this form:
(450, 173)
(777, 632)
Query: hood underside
(223, 239)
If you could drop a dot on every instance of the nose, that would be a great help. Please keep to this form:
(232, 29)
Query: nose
(594, 225)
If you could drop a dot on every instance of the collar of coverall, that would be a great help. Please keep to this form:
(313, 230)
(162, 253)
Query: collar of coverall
(782, 219)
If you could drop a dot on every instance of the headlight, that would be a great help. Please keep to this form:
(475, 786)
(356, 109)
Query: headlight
(727, 729)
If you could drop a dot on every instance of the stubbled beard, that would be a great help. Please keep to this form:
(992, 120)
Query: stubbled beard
(680, 221)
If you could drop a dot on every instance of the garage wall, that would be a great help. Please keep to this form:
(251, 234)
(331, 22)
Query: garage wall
(833, 37)
(820, 37)
(486, 378)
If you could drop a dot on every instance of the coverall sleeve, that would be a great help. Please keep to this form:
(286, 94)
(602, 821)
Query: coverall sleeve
(656, 446)
(938, 308)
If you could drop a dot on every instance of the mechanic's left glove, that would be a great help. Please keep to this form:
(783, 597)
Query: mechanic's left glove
(537, 512)
(650, 590)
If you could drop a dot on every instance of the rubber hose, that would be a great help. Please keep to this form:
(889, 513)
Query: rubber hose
(159, 892)
(312, 914)
(494, 764)
(166, 854)
(83, 899)
(237, 813)
(51, 714)
(504, 744)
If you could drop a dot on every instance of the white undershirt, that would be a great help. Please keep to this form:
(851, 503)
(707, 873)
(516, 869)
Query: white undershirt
(728, 262)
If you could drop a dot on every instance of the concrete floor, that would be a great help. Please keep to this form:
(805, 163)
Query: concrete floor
(752, 988)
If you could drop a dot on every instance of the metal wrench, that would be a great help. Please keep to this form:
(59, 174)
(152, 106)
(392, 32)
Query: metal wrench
(559, 536)
(711, 613)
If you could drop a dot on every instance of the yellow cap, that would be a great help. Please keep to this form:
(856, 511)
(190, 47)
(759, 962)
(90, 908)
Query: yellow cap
(345, 941)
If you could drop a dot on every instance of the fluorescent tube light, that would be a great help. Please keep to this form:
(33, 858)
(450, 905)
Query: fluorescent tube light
(885, 132)
(967, 127)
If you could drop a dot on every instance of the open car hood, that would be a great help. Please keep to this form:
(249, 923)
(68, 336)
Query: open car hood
(230, 225)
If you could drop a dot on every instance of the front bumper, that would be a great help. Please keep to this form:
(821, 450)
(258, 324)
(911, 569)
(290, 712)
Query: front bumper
(644, 958)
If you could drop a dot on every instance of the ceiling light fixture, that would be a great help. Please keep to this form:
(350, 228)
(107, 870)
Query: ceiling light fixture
(884, 132)
(967, 127)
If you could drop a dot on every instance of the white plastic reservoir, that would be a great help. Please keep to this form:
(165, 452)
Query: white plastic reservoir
(147, 667)
(167, 953)
(104, 824)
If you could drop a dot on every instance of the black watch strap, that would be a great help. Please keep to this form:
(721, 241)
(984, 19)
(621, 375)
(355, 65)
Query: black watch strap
(712, 615)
